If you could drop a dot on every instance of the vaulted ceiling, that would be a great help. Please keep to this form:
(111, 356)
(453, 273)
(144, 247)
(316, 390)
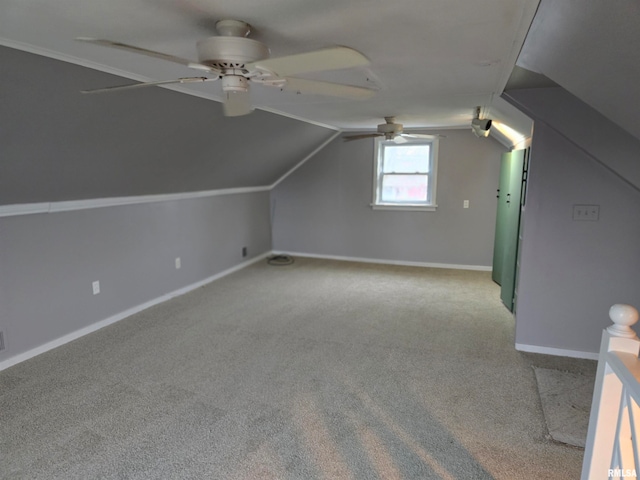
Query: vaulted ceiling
(591, 48)
(432, 62)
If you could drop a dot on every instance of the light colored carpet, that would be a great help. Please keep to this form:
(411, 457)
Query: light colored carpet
(566, 403)
(317, 370)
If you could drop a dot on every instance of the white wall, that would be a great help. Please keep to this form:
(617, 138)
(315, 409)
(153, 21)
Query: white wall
(323, 208)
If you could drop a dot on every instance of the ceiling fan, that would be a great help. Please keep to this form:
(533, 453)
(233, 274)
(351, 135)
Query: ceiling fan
(239, 61)
(390, 130)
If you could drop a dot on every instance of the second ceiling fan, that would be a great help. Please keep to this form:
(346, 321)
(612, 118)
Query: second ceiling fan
(390, 130)
(238, 61)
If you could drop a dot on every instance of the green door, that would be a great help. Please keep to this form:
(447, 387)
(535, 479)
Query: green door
(498, 245)
(505, 253)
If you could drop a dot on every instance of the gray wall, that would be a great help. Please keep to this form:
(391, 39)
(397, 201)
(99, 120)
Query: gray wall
(56, 144)
(590, 48)
(572, 271)
(324, 208)
(579, 123)
(48, 261)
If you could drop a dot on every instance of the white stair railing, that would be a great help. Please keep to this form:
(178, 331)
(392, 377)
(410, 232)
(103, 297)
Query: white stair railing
(613, 439)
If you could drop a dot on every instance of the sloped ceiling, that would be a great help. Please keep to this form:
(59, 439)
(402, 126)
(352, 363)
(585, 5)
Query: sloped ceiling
(58, 145)
(591, 49)
(432, 62)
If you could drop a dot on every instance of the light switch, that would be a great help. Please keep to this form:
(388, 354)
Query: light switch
(589, 213)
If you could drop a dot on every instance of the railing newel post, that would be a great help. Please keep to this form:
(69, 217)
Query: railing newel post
(608, 392)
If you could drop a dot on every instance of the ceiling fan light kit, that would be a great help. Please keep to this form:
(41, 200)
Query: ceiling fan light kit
(239, 61)
(234, 83)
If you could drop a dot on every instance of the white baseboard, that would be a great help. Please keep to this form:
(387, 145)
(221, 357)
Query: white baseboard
(21, 357)
(560, 352)
(483, 268)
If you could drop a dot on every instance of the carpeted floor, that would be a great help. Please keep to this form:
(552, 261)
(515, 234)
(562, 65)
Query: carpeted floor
(317, 370)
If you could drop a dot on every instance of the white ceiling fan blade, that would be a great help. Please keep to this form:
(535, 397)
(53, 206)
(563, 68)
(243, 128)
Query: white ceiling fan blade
(148, 53)
(361, 136)
(399, 139)
(314, 87)
(149, 84)
(315, 61)
(236, 104)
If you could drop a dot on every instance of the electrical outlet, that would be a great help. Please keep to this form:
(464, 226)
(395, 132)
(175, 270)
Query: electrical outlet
(178, 263)
(96, 287)
(465, 204)
(589, 213)
(244, 252)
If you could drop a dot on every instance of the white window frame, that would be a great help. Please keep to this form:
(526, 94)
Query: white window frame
(430, 204)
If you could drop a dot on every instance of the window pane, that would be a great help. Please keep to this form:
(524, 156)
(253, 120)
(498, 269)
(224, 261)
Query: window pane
(406, 158)
(404, 188)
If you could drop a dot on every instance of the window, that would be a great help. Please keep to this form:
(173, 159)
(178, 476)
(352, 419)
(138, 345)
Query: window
(405, 174)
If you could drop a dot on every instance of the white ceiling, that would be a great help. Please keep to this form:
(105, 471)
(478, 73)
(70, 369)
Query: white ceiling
(432, 61)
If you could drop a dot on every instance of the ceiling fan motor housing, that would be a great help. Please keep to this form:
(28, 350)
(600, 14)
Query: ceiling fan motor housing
(226, 53)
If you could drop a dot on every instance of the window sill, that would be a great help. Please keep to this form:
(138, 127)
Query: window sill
(419, 208)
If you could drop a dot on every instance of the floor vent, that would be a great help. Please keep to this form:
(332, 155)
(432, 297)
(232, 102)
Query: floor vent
(1, 340)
